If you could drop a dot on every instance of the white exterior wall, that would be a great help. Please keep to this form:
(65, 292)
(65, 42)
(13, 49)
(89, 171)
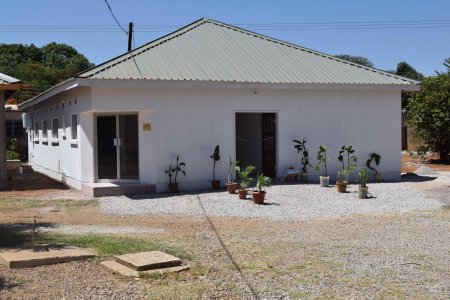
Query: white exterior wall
(47, 157)
(191, 121)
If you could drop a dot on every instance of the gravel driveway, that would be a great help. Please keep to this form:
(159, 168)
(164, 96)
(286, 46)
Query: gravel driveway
(294, 202)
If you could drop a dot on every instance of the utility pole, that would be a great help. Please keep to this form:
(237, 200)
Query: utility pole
(130, 35)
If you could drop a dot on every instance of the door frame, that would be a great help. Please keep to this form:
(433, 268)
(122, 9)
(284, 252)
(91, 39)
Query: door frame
(111, 114)
(277, 136)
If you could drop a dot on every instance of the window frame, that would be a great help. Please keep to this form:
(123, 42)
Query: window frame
(55, 130)
(74, 128)
(45, 130)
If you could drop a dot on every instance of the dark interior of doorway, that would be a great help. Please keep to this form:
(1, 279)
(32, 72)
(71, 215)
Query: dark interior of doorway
(256, 141)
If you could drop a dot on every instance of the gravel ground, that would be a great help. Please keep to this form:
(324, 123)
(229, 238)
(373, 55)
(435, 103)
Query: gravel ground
(294, 202)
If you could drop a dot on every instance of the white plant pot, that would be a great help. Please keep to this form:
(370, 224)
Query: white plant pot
(324, 181)
(362, 192)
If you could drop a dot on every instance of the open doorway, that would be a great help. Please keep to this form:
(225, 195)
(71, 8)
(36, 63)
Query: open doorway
(256, 141)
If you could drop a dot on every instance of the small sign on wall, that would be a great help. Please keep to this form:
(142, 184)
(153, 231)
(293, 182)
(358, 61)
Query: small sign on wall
(147, 126)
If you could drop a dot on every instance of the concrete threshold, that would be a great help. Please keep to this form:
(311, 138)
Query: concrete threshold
(102, 189)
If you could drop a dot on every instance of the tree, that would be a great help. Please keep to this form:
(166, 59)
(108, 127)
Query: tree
(429, 114)
(447, 64)
(356, 59)
(40, 68)
(406, 70)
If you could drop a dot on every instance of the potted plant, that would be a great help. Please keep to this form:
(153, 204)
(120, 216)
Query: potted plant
(231, 185)
(215, 184)
(245, 180)
(341, 182)
(259, 193)
(374, 157)
(362, 187)
(322, 166)
(301, 148)
(173, 186)
(351, 161)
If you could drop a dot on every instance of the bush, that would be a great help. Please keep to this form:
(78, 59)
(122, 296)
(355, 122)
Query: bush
(13, 150)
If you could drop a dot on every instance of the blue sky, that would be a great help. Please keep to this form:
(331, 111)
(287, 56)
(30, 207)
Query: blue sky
(424, 49)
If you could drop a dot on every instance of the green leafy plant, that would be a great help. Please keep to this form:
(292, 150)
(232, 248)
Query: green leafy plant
(178, 168)
(233, 166)
(351, 159)
(342, 175)
(363, 177)
(262, 182)
(301, 148)
(244, 176)
(373, 157)
(13, 150)
(215, 157)
(322, 161)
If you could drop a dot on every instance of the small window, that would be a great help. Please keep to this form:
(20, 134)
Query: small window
(63, 126)
(13, 129)
(36, 130)
(74, 126)
(55, 128)
(44, 129)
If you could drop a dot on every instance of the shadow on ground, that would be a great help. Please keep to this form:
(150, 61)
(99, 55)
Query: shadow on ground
(412, 177)
(18, 234)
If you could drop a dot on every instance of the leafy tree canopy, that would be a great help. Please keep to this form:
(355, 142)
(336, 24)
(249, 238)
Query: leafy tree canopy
(41, 68)
(356, 59)
(406, 70)
(429, 114)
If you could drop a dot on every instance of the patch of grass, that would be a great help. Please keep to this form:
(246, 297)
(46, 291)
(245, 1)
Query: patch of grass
(103, 244)
(182, 290)
(11, 203)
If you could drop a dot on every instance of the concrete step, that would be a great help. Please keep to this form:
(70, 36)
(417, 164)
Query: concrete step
(118, 268)
(116, 189)
(150, 260)
(56, 254)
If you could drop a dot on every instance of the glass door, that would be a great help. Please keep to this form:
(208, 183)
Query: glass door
(117, 148)
(106, 148)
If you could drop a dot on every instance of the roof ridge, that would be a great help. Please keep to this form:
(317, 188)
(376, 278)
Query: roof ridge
(132, 53)
(278, 41)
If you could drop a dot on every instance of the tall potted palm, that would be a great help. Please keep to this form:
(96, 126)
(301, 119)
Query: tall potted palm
(301, 148)
(231, 184)
(322, 166)
(245, 180)
(215, 184)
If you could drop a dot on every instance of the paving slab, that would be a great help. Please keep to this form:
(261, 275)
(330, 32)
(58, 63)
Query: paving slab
(26, 258)
(118, 268)
(150, 260)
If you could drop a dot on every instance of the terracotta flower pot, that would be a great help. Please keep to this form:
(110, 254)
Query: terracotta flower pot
(231, 187)
(258, 197)
(215, 184)
(304, 177)
(242, 194)
(341, 186)
(362, 192)
(173, 187)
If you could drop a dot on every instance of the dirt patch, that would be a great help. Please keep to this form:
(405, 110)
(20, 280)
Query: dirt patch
(411, 164)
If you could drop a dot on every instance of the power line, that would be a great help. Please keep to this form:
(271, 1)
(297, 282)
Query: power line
(106, 1)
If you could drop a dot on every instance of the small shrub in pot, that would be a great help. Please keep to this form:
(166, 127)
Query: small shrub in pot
(231, 184)
(171, 171)
(362, 184)
(215, 184)
(259, 193)
(377, 158)
(301, 148)
(245, 180)
(322, 166)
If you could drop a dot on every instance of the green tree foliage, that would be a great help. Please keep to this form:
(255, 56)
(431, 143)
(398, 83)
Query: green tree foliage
(40, 68)
(13, 150)
(447, 64)
(356, 59)
(429, 114)
(406, 70)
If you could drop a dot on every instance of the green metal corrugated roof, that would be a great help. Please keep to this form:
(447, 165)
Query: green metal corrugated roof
(5, 79)
(207, 50)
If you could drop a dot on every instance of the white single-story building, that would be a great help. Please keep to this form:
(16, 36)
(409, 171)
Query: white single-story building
(207, 84)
